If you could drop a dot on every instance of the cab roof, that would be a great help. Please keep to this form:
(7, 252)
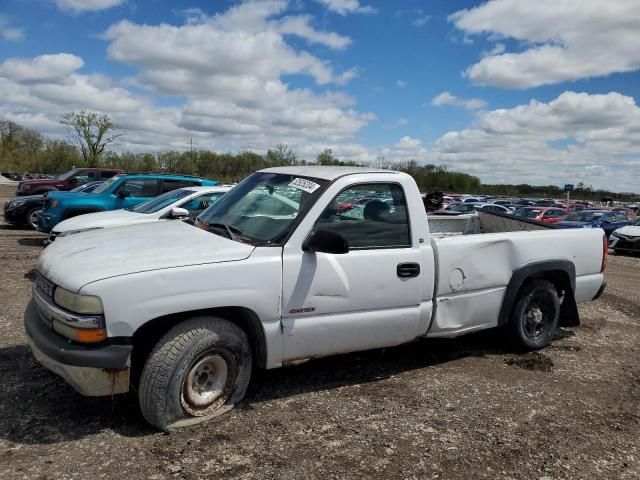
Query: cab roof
(324, 172)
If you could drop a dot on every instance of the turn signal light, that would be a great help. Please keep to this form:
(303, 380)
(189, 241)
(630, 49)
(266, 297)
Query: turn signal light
(82, 335)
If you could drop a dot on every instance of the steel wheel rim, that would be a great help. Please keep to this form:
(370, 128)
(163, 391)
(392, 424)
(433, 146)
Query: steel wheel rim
(205, 384)
(534, 322)
(33, 218)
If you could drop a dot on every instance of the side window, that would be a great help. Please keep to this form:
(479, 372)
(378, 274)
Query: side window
(140, 187)
(169, 185)
(105, 175)
(82, 177)
(369, 216)
(198, 204)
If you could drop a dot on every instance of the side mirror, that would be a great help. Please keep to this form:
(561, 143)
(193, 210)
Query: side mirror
(124, 193)
(178, 212)
(326, 241)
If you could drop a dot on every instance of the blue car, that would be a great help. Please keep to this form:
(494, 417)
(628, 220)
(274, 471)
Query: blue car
(604, 219)
(121, 191)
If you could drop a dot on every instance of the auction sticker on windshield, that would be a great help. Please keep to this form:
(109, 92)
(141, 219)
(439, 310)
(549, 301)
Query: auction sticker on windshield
(304, 185)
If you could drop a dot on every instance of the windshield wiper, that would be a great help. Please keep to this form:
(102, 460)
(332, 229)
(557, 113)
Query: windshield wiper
(226, 228)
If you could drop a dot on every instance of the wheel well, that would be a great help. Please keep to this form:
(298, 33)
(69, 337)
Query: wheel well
(560, 274)
(145, 338)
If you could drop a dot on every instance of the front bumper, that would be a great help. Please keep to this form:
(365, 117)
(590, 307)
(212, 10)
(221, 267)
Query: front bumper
(46, 222)
(15, 216)
(92, 370)
(625, 242)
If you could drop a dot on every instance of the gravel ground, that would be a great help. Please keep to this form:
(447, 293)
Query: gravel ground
(433, 409)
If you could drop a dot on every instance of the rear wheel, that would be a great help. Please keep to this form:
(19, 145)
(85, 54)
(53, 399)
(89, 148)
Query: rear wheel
(198, 370)
(534, 320)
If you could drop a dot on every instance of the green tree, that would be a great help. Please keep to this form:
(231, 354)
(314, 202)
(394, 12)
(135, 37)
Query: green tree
(92, 132)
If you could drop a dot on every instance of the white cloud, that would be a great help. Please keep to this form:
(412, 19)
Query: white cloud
(9, 33)
(401, 83)
(343, 7)
(562, 40)
(78, 6)
(446, 98)
(222, 76)
(562, 141)
(421, 21)
(42, 69)
(300, 26)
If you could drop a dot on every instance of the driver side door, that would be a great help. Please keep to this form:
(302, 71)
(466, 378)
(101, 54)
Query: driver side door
(367, 298)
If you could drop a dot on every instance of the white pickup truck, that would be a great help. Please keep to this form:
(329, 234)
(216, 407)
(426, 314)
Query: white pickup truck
(294, 263)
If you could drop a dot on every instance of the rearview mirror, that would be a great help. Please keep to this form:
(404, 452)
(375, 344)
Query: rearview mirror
(326, 241)
(178, 212)
(124, 193)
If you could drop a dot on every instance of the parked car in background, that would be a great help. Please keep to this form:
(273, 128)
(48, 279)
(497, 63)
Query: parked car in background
(494, 207)
(66, 182)
(604, 219)
(457, 208)
(177, 204)
(542, 214)
(121, 191)
(626, 239)
(25, 210)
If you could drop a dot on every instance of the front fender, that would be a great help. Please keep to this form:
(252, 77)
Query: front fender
(131, 301)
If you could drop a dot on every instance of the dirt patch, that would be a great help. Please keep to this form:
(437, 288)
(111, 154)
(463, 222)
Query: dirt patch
(432, 409)
(531, 361)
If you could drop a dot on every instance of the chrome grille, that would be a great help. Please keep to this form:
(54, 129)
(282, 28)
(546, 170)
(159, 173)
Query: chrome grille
(44, 285)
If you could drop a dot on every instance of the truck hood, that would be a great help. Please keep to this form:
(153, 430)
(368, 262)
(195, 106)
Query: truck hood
(113, 218)
(38, 182)
(629, 231)
(98, 254)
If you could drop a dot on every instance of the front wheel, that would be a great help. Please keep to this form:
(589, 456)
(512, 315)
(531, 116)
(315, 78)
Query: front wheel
(198, 370)
(534, 321)
(32, 217)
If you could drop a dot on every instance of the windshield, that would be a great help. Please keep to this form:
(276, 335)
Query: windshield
(263, 208)
(584, 217)
(107, 185)
(527, 213)
(164, 200)
(68, 175)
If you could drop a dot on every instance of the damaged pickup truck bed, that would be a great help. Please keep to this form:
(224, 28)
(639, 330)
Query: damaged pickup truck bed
(294, 263)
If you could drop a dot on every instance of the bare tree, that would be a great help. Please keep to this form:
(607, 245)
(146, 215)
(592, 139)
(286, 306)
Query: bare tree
(92, 132)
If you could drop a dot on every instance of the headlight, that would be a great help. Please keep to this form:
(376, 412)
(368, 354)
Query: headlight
(85, 304)
(614, 234)
(17, 203)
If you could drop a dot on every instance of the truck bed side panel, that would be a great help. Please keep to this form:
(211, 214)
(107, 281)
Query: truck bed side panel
(474, 271)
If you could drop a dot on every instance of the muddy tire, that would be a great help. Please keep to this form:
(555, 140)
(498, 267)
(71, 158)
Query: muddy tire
(198, 370)
(534, 321)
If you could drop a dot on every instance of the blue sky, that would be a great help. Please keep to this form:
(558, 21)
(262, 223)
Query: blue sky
(509, 90)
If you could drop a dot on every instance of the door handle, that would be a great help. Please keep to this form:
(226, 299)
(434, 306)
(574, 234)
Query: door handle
(408, 270)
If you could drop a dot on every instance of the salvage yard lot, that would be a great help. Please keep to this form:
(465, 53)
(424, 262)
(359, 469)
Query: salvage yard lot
(449, 409)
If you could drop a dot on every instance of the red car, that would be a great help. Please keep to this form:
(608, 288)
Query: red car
(542, 214)
(68, 181)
